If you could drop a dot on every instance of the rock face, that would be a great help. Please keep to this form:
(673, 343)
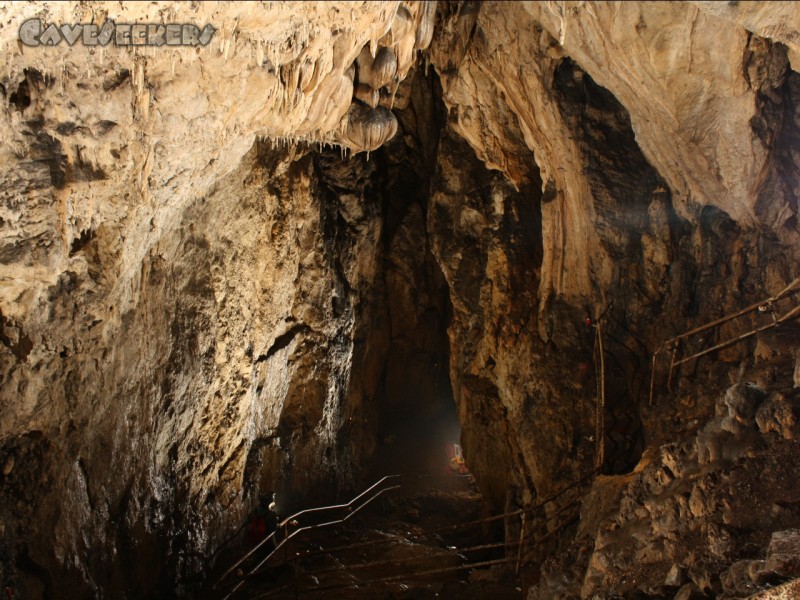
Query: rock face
(202, 302)
(644, 221)
(693, 513)
(192, 361)
(142, 368)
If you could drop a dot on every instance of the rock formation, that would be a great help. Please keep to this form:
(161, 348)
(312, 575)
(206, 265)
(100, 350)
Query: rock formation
(228, 269)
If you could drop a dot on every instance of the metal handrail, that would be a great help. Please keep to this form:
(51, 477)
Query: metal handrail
(319, 526)
(307, 511)
(393, 561)
(764, 305)
(467, 524)
(369, 499)
(293, 518)
(255, 569)
(468, 565)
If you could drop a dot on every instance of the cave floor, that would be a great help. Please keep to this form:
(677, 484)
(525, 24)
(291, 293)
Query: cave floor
(428, 541)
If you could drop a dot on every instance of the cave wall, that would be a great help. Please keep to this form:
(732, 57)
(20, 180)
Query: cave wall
(639, 213)
(192, 316)
(245, 363)
(152, 389)
(662, 138)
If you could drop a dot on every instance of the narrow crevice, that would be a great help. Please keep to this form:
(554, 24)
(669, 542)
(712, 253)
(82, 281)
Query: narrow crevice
(777, 125)
(80, 242)
(417, 412)
(282, 341)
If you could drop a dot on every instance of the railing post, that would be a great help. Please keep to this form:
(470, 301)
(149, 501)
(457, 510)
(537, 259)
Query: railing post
(521, 540)
(600, 403)
(295, 569)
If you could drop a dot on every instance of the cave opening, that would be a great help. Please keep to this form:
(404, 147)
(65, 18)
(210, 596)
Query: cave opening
(417, 418)
(411, 417)
(454, 230)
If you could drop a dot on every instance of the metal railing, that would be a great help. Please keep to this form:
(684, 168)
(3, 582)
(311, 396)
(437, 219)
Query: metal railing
(515, 550)
(364, 498)
(765, 306)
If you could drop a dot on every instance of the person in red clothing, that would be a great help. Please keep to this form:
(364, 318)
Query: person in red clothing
(264, 519)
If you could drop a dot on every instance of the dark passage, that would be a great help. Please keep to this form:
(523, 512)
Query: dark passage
(417, 415)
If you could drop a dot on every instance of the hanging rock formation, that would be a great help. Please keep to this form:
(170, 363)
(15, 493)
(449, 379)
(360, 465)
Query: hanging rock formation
(225, 268)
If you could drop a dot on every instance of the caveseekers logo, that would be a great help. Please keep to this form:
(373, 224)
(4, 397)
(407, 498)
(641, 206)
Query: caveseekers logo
(34, 32)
